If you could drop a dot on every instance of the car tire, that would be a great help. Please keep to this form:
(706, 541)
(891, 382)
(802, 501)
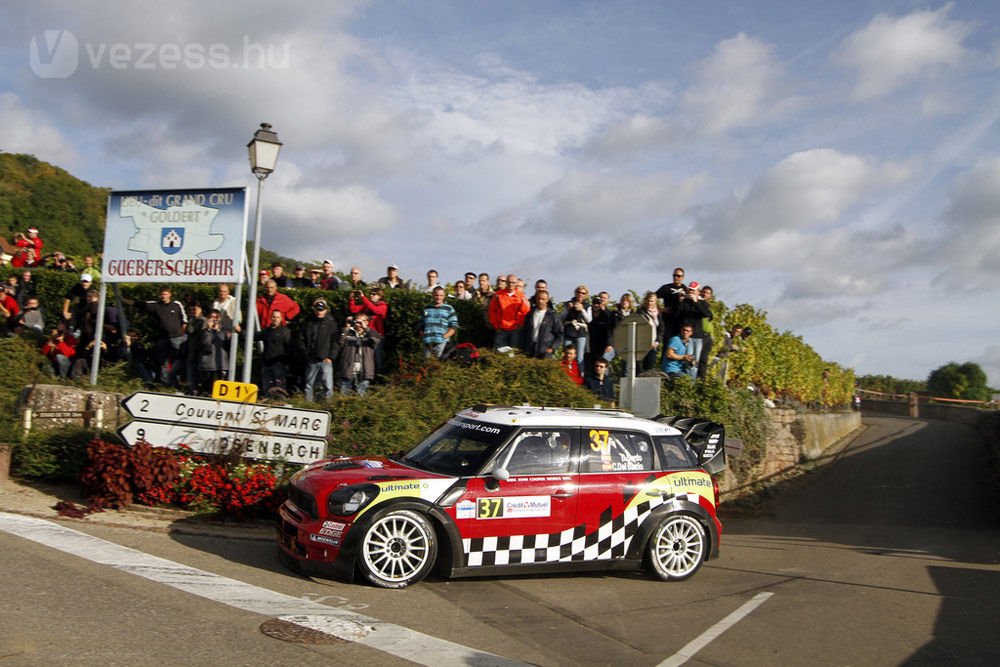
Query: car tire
(677, 548)
(398, 549)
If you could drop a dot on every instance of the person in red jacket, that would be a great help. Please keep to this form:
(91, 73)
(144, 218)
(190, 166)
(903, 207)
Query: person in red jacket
(377, 310)
(507, 311)
(570, 366)
(29, 249)
(60, 350)
(273, 300)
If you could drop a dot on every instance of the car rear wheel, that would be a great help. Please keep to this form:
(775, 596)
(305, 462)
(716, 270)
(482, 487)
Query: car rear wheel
(398, 549)
(677, 548)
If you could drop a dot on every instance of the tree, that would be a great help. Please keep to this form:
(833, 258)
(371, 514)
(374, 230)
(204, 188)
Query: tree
(954, 380)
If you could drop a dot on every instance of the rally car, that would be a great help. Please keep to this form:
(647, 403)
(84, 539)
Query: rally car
(514, 489)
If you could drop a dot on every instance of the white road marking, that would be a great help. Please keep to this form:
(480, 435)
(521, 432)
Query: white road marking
(351, 626)
(705, 638)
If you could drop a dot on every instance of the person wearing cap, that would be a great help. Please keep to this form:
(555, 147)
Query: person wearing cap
(318, 339)
(391, 279)
(300, 279)
(29, 249)
(75, 301)
(330, 280)
(356, 366)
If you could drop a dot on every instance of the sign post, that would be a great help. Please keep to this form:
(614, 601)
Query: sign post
(212, 426)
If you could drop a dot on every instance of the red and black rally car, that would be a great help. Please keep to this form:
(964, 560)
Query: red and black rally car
(514, 490)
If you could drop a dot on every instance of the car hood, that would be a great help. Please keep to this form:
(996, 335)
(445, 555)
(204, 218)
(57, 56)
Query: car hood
(345, 470)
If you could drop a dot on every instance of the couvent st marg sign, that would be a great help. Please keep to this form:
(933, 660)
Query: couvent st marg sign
(209, 425)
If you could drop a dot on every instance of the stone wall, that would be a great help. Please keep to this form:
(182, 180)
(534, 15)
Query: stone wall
(797, 438)
(57, 406)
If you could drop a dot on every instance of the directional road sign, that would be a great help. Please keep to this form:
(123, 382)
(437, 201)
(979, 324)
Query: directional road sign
(208, 440)
(228, 415)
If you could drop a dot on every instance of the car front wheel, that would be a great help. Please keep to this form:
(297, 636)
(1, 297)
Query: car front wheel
(398, 549)
(677, 548)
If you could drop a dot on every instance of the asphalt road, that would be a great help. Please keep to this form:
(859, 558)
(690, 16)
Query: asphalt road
(888, 554)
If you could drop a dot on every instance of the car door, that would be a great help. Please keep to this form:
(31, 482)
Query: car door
(530, 516)
(616, 468)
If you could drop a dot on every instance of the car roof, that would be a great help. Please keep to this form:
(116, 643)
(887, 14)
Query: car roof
(539, 416)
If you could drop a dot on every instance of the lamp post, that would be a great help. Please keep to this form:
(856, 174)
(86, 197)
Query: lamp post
(263, 150)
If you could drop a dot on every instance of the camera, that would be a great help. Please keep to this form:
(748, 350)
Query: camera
(746, 332)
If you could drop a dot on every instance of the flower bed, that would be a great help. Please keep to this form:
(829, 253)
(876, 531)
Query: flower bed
(116, 476)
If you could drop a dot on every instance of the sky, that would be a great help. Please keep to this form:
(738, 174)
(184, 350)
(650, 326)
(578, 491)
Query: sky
(836, 164)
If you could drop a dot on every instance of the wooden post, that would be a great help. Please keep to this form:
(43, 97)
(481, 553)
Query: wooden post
(914, 405)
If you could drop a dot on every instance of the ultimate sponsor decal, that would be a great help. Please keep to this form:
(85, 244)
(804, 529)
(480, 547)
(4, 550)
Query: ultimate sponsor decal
(694, 484)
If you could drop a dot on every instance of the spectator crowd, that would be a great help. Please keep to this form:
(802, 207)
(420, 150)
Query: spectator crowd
(189, 345)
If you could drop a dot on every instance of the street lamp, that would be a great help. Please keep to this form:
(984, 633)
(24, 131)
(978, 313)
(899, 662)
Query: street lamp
(263, 150)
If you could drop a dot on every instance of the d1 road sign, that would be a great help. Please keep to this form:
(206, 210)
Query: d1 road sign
(229, 415)
(208, 440)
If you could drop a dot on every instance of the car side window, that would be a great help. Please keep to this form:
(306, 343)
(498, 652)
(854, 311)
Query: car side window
(540, 452)
(676, 453)
(616, 451)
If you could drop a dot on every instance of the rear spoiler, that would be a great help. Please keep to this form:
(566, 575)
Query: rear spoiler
(706, 438)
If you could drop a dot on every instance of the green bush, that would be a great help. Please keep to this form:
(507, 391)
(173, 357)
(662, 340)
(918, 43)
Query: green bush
(396, 417)
(742, 412)
(54, 456)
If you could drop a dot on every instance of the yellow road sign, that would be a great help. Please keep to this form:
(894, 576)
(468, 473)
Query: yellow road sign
(242, 392)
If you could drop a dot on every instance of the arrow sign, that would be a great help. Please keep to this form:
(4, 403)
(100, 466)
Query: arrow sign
(214, 441)
(201, 411)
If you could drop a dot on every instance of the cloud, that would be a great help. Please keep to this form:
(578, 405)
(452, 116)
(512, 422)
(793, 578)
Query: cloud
(27, 131)
(892, 51)
(740, 84)
(636, 135)
(805, 191)
(299, 214)
(970, 243)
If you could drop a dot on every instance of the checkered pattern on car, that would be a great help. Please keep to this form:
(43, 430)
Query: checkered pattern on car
(611, 540)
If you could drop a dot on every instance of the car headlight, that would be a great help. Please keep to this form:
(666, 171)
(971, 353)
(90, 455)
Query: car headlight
(349, 500)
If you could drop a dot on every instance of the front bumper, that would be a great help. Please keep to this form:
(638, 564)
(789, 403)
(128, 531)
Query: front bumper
(305, 539)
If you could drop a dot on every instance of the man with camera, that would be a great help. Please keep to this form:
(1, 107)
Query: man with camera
(377, 310)
(319, 342)
(679, 359)
(356, 367)
(28, 249)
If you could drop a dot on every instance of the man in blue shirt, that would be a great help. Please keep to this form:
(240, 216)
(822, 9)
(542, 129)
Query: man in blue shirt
(440, 324)
(678, 359)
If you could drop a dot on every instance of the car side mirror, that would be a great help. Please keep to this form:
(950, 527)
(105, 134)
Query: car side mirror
(501, 474)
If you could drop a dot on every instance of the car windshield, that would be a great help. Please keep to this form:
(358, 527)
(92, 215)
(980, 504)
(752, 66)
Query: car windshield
(459, 448)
